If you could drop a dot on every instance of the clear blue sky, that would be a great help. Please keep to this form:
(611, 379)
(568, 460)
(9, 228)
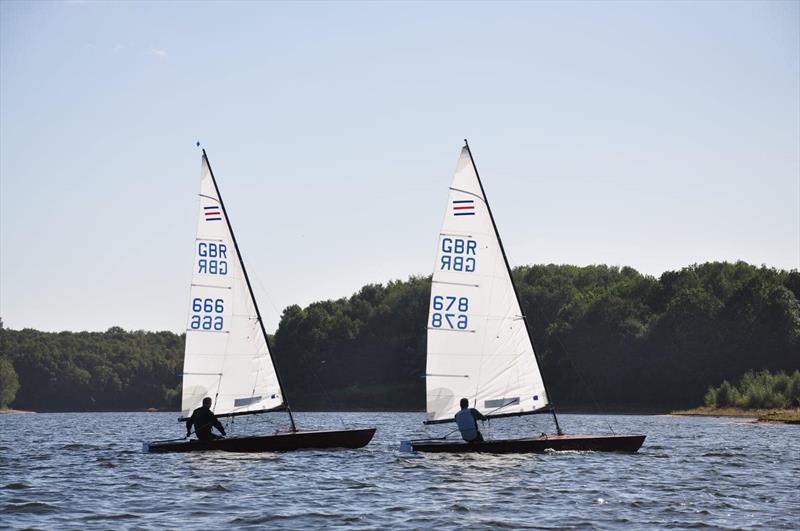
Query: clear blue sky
(647, 134)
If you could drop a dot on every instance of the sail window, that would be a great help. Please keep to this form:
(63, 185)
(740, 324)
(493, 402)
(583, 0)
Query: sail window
(250, 400)
(501, 402)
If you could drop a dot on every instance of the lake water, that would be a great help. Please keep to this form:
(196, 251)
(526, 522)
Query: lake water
(87, 471)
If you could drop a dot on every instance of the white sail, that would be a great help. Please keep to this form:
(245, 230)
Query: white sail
(226, 357)
(478, 344)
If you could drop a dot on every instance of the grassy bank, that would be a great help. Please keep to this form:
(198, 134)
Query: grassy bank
(787, 416)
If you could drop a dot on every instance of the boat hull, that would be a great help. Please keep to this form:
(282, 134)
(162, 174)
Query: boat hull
(280, 442)
(555, 443)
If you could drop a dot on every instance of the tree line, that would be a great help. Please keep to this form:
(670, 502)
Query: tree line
(607, 337)
(90, 371)
(757, 390)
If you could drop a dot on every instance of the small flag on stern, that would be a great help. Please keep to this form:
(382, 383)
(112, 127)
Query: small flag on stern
(464, 207)
(212, 213)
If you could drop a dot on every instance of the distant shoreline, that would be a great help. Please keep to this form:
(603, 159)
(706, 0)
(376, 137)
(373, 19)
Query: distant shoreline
(564, 411)
(785, 416)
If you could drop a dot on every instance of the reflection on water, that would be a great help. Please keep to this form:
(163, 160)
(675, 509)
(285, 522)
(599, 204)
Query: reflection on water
(87, 471)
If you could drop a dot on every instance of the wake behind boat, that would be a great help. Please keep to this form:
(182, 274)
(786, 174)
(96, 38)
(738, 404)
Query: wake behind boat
(479, 345)
(227, 355)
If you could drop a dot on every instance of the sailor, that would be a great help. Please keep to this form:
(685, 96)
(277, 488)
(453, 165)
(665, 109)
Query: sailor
(467, 422)
(203, 419)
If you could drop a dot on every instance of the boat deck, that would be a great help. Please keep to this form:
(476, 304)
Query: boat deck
(279, 442)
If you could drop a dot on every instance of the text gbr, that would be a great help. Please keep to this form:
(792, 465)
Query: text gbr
(212, 258)
(458, 254)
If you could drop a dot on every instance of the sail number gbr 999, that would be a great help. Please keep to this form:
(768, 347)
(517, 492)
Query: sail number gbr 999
(207, 314)
(450, 312)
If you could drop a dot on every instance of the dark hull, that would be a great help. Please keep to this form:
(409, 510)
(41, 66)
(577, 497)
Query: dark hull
(280, 442)
(556, 443)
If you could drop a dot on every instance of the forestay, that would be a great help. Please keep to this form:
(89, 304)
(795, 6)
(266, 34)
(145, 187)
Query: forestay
(478, 343)
(227, 356)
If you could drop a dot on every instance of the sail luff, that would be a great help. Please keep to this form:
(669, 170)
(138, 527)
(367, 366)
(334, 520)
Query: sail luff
(250, 290)
(513, 284)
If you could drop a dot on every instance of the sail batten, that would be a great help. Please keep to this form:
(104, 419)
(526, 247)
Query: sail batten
(541, 411)
(472, 291)
(227, 356)
(276, 409)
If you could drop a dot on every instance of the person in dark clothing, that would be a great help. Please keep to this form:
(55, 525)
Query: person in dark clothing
(467, 420)
(203, 419)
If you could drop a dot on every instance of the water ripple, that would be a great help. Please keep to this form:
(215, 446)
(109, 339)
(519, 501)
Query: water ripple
(59, 469)
(16, 486)
(28, 507)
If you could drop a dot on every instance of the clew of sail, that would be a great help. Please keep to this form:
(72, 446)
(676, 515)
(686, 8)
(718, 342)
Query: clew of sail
(227, 356)
(478, 342)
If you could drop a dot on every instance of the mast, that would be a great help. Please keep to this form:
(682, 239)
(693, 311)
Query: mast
(513, 285)
(250, 289)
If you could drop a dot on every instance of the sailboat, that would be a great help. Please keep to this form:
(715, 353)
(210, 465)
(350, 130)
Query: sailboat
(227, 355)
(479, 345)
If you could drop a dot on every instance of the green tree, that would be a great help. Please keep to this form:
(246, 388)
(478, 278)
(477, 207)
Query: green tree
(603, 334)
(757, 390)
(9, 383)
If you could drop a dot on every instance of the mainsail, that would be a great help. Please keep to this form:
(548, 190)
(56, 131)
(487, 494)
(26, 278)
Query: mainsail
(478, 342)
(227, 356)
